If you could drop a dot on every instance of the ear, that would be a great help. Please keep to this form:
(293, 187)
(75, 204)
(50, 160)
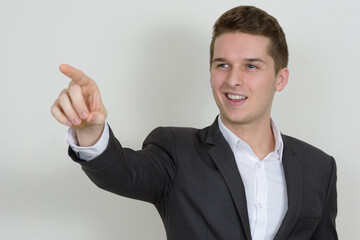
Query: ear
(282, 79)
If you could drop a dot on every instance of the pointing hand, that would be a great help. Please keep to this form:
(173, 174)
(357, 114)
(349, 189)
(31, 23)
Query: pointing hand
(80, 106)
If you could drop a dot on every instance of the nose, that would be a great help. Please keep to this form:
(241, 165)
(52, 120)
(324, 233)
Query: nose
(236, 78)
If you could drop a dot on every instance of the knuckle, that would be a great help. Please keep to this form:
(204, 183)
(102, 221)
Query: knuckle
(63, 97)
(53, 110)
(78, 105)
(73, 88)
(55, 107)
(72, 82)
(64, 91)
(56, 102)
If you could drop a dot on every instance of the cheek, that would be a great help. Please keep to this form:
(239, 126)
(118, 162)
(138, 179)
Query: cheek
(263, 84)
(212, 82)
(265, 93)
(216, 81)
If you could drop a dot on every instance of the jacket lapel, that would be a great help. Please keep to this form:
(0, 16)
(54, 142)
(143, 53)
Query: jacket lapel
(224, 159)
(294, 185)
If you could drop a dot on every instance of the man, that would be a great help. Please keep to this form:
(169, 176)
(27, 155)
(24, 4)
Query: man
(239, 178)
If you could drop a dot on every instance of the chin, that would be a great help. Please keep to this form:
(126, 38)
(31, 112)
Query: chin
(233, 119)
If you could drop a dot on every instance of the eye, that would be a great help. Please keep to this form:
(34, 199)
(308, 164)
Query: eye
(252, 67)
(222, 65)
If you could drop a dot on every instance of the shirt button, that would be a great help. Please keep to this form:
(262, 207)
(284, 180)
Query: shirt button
(258, 165)
(260, 205)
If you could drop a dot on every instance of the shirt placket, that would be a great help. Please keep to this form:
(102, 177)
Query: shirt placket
(260, 201)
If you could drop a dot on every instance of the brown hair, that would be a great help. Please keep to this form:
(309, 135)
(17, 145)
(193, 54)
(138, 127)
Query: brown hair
(252, 20)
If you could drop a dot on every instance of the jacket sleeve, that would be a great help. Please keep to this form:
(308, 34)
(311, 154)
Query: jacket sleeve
(326, 229)
(144, 175)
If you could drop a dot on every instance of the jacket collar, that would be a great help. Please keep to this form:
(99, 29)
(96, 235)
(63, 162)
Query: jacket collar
(236, 142)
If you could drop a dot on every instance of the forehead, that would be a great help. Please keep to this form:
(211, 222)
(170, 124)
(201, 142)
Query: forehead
(241, 45)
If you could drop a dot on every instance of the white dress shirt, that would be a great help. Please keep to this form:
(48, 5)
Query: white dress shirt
(264, 183)
(264, 180)
(88, 153)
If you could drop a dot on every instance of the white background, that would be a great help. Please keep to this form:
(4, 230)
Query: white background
(150, 60)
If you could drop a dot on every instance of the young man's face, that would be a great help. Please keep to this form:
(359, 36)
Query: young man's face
(243, 79)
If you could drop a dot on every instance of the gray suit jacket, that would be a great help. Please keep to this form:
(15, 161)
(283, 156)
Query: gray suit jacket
(191, 177)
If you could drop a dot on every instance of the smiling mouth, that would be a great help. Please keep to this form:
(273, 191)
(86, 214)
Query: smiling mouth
(235, 97)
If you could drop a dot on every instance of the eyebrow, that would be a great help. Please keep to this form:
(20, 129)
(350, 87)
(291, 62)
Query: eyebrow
(219, 60)
(245, 60)
(254, 60)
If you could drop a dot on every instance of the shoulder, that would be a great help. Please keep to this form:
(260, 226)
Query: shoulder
(308, 154)
(298, 145)
(171, 135)
(161, 132)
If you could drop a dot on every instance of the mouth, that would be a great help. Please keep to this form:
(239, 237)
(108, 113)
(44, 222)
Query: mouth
(235, 97)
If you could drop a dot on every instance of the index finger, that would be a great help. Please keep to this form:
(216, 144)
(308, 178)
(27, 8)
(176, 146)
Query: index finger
(75, 74)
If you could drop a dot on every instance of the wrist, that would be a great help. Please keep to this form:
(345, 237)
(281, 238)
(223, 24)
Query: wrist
(89, 135)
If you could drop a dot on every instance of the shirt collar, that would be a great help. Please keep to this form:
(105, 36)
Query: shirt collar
(235, 141)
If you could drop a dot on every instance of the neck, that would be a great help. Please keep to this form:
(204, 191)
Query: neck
(259, 136)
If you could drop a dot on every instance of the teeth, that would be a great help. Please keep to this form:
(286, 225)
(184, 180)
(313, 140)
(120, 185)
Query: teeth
(235, 97)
